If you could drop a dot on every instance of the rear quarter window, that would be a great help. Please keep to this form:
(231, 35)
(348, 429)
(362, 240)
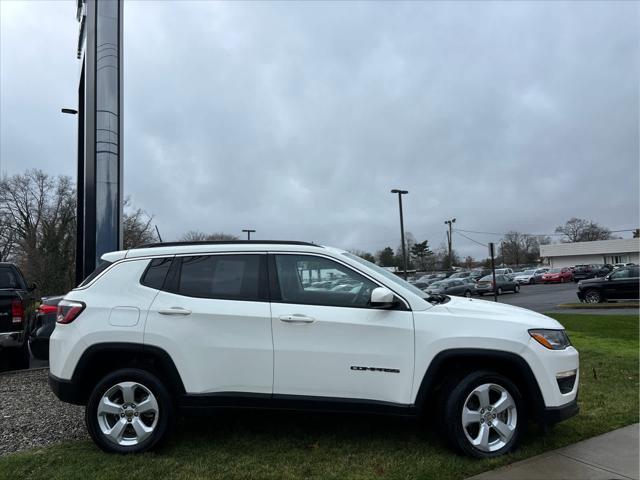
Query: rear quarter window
(156, 273)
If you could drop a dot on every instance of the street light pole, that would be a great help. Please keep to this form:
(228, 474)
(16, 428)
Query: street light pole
(249, 232)
(450, 240)
(404, 247)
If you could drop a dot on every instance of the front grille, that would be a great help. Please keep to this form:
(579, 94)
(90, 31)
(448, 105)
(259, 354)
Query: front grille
(566, 383)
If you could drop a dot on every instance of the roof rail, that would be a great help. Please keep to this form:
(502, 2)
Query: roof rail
(225, 242)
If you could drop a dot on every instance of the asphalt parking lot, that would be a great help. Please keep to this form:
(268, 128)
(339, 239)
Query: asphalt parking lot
(546, 298)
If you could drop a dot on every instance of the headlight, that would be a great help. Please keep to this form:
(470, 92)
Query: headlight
(551, 339)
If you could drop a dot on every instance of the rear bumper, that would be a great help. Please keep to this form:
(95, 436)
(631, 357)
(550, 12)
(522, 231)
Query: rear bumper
(11, 339)
(66, 390)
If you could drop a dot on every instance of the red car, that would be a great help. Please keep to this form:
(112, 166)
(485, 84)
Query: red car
(558, 275)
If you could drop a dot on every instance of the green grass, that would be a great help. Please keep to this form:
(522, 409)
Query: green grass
(292, 445)
(599, 306)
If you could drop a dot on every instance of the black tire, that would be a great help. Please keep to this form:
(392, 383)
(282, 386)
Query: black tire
(481, 294)
(150, 382)
(468, 294)
(499, 290)
(593, 296)
(516, 289)
(532, 281)
(452, 400)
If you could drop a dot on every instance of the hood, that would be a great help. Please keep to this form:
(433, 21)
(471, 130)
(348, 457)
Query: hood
(587, 281)
(471, 307)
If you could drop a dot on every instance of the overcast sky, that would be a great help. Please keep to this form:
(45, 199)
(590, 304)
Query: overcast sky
(296, 119)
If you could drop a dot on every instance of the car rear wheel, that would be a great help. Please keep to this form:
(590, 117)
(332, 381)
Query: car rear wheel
(467, 294)
(593, 296)
(516, 289)
(483, 414)
(129, 411)
(531, 281)
(561, 279)
(499, 290)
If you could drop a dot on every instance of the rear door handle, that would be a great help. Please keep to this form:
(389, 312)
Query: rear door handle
(174, 311)
(296, 318)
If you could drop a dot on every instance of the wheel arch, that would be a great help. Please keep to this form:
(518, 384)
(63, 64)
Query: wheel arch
(460, 361)
(100, 359)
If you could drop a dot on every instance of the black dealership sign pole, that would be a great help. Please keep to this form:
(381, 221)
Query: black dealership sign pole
(99, 190)
(492, 254)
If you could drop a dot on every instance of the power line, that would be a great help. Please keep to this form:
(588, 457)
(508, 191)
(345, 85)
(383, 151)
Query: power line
(534, 234)
(469, 238)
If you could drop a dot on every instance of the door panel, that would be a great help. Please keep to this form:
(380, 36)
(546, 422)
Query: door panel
(337, 351)
(213, 318)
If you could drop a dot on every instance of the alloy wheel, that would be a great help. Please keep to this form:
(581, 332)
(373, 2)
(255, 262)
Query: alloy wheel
(128, 413)
(489, 417)
(592, 296)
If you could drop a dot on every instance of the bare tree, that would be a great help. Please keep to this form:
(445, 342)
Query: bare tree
(137, 228)
(38, 213)
(580, 230)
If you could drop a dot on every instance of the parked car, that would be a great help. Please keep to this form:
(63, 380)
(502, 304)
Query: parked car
(478, 274)
(503, 271)
(620, 265)
(557, 275)
(530, 276)
(503, 284)
(185, 327)
(17, 306)
(450, 286)
(582, 272)
(622, 283)
(43, 324)
(460, 275)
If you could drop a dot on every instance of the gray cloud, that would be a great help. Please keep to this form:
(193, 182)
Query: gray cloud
(296, 119)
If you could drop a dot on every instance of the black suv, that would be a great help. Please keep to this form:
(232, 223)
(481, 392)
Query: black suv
(582, 272)
(619, 284)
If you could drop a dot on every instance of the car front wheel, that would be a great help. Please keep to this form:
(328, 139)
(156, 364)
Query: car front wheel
(499, 290)
(516, 289)
(593, 296)
(467, 294)
(484, 414)
(129, 411)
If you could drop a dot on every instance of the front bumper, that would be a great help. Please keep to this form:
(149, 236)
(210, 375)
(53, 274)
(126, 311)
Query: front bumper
(553, 415)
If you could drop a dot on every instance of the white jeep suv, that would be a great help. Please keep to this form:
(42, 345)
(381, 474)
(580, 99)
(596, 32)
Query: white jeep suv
(186, 327)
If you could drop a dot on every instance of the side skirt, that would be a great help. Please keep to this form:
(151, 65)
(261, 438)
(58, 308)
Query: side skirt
(204, 403)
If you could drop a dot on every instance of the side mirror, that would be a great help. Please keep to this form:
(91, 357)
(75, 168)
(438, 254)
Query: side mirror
(32, 286)
(382, 297)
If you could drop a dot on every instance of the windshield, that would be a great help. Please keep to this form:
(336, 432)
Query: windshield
(387, 274)
(528, 272)
(555, 270)
(437, 284)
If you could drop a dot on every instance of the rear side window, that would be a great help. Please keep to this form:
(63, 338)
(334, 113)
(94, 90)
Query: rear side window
(9, 279)
(101, 268)
(156, 273)
(225, 277)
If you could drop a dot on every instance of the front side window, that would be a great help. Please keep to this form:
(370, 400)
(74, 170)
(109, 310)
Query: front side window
(620, 274)
(312, 280)
(225, 277)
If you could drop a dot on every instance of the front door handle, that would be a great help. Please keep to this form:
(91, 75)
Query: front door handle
(174, 311)
(296, 318)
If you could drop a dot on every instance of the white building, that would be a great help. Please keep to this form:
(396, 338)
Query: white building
(602, 251)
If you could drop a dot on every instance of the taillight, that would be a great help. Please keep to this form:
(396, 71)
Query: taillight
(68, 311)
(45, 309)
(17, 311)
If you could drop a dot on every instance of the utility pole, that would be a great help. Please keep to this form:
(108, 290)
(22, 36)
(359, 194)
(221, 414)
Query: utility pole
(249, 232)
(450, 240)
(404, 246)
(492, 254)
